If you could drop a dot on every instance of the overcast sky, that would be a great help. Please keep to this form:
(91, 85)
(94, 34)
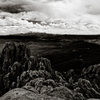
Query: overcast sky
(87, 10)
(60, 8)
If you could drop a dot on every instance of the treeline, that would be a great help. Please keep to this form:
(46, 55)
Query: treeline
(49, 37)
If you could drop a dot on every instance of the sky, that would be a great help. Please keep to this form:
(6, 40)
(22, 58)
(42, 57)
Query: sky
(88, 10)
(60, 8)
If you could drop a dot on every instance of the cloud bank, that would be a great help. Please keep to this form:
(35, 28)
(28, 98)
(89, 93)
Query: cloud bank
(56, 8)
(78, 13)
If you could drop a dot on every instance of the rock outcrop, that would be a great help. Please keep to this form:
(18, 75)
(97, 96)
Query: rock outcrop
(27, 77)
(23, 94)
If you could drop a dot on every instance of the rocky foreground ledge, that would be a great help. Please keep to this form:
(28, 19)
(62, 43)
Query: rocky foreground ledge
(26, 77)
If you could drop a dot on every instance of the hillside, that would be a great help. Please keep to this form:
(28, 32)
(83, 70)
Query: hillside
(49, 70)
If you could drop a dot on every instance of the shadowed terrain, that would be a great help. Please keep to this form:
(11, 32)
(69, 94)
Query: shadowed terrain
(49, 68)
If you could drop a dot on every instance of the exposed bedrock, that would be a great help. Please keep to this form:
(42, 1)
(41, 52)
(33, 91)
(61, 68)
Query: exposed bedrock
(27, 77)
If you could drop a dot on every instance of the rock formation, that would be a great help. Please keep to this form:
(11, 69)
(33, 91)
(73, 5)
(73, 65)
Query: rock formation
(27, 77)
